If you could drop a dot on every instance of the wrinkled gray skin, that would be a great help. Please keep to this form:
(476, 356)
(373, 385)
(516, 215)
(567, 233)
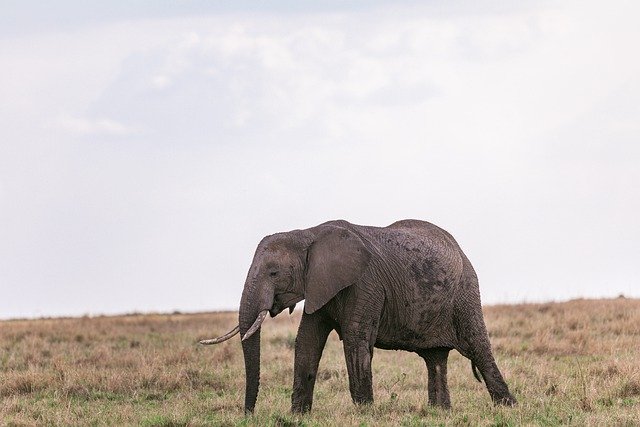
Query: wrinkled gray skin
(407, 286)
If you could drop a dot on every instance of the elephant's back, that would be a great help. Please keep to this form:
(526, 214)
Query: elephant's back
(428, 253)
(421, 228)
(421, 238)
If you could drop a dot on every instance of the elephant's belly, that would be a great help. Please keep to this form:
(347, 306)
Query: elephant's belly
(411, 340)
(424, 322)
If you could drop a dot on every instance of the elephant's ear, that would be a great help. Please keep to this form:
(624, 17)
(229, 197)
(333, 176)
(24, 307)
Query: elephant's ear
(336, 259)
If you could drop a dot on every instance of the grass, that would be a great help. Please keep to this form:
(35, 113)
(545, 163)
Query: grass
(575, 363)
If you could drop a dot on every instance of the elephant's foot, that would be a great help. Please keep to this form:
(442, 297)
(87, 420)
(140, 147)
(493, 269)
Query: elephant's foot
(508, 400)
(300, 407)
(362, 400)
(302, 396)
(496, 386)
(441, 405)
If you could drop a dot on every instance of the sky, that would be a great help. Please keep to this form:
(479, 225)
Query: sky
(147, 147)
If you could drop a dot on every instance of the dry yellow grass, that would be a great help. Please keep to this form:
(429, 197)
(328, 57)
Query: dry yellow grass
(574, 363)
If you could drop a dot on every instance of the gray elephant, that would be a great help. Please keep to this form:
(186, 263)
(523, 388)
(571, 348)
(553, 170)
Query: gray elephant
(407, 286)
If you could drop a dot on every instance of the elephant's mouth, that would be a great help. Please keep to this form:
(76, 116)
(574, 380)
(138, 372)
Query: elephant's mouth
(282, 301)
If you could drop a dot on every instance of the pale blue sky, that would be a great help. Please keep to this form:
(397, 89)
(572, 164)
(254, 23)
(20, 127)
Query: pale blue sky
(147, 147)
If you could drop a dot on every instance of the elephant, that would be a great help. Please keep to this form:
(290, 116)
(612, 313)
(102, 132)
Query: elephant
(407, 286)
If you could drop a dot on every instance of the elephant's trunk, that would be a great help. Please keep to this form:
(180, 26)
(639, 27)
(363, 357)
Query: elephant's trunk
(251, 350)
(255, 300)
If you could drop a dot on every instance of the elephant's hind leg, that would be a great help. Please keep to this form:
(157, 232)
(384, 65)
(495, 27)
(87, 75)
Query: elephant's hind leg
(436, 361)
(493, 379)
(476, 347)
(473, 339)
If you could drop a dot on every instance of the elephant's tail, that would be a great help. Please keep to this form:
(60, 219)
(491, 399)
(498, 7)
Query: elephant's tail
(476, 374)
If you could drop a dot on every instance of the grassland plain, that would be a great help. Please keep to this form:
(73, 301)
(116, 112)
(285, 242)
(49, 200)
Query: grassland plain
(574, 363)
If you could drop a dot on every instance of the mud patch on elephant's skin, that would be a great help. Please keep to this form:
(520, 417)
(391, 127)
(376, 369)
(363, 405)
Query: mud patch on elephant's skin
(428, 277)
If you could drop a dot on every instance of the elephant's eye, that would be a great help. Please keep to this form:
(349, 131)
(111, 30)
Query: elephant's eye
(273, 273)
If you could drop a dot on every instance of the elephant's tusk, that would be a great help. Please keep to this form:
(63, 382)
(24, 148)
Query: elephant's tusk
(256, 324)
(222, 338)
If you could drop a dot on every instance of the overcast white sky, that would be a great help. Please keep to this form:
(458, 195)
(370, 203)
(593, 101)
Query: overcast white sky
(146, 148)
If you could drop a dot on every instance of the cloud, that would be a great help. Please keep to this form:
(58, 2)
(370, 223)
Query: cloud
(271, 79)
(406, 76)
(91, 127)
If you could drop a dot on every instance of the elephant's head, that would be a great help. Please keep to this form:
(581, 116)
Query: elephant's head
(313, 265)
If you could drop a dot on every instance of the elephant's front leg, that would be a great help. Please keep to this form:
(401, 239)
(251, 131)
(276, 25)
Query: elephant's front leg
(312, 336)
(358, 354)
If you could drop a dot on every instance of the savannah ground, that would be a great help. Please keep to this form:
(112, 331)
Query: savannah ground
(574, 363)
